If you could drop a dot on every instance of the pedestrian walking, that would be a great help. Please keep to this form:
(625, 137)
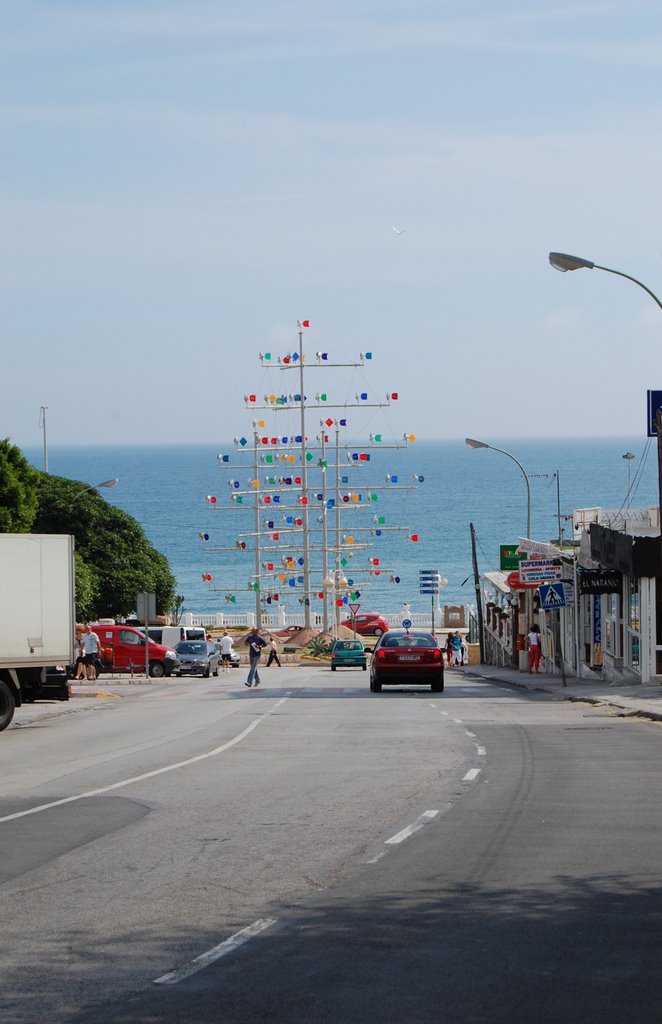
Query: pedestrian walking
(273, 652)
(449, 648)
(533, 647)
(456, 648)
(227, 650)
(255, 643)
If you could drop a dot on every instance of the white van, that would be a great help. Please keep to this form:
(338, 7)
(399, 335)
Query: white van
(171, 635)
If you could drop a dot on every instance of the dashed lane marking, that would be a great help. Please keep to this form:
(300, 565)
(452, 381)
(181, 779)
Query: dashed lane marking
(471, 774)
(216, 952)
(422, 820)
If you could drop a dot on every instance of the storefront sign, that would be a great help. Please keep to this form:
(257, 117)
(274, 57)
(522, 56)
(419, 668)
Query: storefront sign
(600, 581)
(509, 557)
(540, 570)
(538, 548)
(515, 582)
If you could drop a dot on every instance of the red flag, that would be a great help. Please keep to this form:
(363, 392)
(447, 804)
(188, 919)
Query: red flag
(305, 323)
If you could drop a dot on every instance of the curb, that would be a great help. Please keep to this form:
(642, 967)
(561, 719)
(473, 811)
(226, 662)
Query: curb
(90, 693)
(621, 709)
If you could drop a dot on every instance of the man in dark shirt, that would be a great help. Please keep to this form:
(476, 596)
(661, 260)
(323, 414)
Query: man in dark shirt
(255, 643)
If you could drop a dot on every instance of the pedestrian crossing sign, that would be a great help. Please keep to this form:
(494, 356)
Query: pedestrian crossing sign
(552, 595)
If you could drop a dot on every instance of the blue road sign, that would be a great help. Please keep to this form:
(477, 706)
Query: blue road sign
(654, 403)
(406, 623)
(552, 596)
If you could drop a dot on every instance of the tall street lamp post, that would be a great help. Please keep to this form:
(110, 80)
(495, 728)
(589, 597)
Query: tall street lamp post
(473, 443)
(629, 456)
(563, 261)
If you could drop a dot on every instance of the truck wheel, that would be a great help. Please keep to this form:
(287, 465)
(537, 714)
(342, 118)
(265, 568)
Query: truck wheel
(7, 705)
(156, 670)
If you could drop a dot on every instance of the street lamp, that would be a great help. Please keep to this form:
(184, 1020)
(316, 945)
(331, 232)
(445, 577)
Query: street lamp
(563, 262)
(629, 456)
(472, 443)
(92, 487)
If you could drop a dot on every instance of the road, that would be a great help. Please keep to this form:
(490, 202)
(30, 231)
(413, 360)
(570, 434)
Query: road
(309, 851)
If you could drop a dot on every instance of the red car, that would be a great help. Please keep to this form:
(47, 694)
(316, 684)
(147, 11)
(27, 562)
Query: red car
(368, 624)
(402, 658)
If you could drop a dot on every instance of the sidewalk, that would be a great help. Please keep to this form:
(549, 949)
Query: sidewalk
(626, 698)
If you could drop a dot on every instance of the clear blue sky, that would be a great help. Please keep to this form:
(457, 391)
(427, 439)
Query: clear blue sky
(181, 182)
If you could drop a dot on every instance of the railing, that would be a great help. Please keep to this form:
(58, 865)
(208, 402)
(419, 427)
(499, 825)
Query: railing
(281, 619)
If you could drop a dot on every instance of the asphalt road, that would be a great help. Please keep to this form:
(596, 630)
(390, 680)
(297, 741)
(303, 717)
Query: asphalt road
(309, 851)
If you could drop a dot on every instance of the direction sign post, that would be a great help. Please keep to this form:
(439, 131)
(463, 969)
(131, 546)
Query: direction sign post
(428, 583)
(552, 597)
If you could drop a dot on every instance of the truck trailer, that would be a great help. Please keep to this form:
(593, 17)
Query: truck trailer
(37, 614)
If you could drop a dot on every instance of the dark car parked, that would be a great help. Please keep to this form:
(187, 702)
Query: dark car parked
(404, 658)
(197, 658)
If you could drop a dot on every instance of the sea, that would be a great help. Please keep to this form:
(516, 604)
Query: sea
(403, 509)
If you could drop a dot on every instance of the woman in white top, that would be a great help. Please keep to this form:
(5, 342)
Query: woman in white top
(533, 646)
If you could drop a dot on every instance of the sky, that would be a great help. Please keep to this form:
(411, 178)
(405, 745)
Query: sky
(181, 183)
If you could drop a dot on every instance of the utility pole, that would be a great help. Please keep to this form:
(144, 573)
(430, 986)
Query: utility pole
(42, 424)
(479, 600)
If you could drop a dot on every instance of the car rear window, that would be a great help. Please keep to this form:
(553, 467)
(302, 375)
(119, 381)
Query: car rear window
(407, 640)
(191, 647)
(349, 645)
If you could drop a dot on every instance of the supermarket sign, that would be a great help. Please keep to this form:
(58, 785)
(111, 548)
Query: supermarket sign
(540, 570)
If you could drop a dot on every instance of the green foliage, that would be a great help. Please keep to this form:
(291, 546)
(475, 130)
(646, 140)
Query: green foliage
(177, 608)
(115, 559)
(18, 490)
(319, 647)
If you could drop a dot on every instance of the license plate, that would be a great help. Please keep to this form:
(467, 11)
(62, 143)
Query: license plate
(409, 657)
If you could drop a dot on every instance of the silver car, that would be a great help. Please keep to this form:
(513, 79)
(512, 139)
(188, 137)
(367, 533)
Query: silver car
(197, 658)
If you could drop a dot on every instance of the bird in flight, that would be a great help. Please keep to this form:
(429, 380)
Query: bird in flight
(398, 231)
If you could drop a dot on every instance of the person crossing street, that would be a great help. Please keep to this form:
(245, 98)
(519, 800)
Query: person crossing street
(255, 643)
(273, 652)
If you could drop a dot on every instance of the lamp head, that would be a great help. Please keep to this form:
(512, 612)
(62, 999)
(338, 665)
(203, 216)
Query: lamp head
(109, 483)
(473, 443)
(562, 261)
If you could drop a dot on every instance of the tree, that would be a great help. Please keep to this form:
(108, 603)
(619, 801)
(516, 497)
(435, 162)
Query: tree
(19, 498)
(115, 561)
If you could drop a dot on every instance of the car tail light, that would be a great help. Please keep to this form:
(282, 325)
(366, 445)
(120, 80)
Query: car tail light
(380, 654)
(436, 654)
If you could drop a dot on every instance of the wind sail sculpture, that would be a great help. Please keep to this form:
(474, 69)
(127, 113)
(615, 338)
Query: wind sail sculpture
(305, 517)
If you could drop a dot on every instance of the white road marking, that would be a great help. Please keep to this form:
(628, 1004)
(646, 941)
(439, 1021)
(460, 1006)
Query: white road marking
(470, 733)
(458, 721)
(422, 820)
(373, 860)
(471, 774)
(215, 953)
(148, 775)
(481, 751)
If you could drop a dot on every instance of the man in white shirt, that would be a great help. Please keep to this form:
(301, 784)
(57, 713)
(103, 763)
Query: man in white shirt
(226, 651)
(91, 648)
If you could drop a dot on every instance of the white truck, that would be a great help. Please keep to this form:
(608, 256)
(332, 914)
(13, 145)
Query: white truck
(37, 614)
(171, 635)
